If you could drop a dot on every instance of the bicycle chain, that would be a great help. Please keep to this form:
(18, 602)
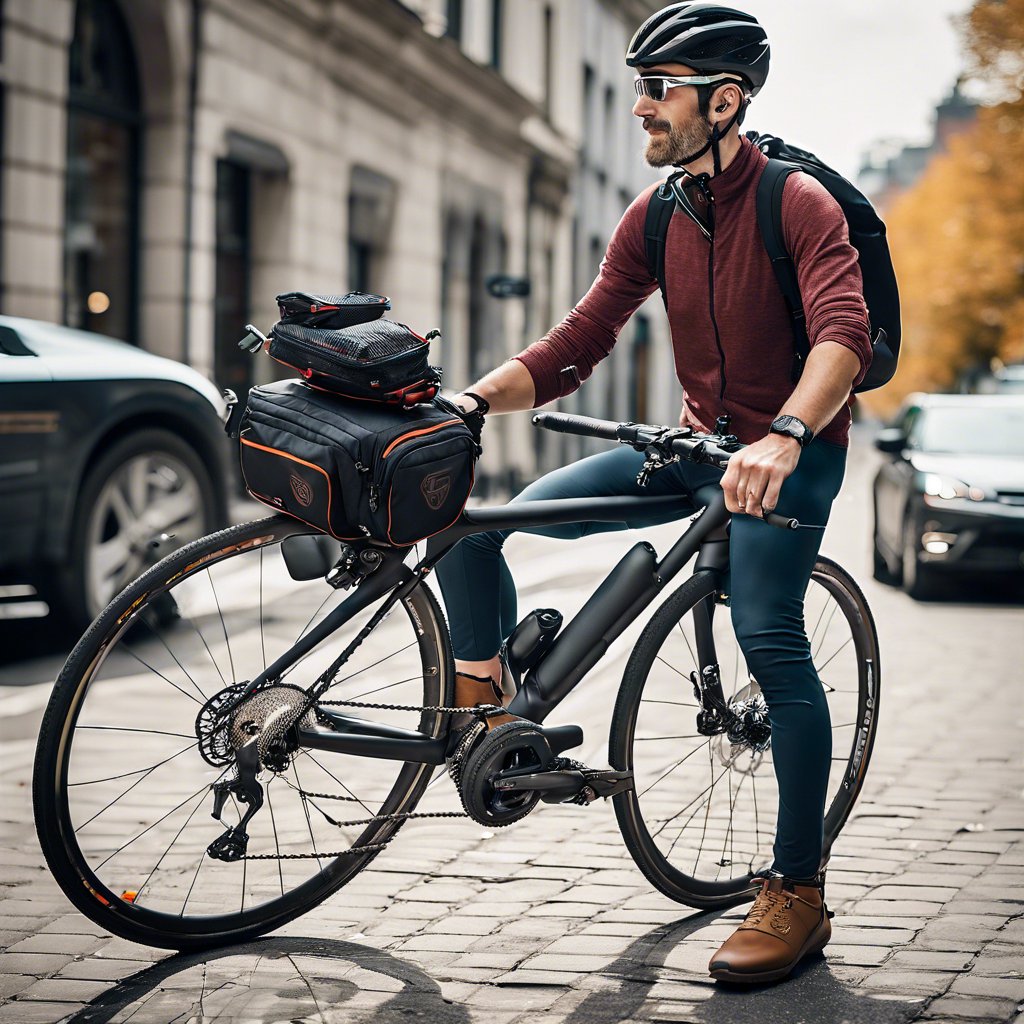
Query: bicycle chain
(401, 816)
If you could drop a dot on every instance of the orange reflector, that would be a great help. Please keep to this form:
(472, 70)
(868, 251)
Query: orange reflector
(129, 895)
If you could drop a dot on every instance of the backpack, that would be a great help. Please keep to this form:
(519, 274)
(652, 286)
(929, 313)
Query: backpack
(867, 235)
(356, 469)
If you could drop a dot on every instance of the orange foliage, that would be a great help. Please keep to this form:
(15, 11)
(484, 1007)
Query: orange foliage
(957, 236)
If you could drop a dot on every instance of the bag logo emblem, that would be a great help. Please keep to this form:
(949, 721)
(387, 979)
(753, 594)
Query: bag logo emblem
(302, 491)
(435, 489)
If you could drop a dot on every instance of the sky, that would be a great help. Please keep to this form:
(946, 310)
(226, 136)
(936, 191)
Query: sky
(847, 73)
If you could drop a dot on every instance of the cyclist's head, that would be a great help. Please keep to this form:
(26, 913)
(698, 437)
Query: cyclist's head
(697, 39)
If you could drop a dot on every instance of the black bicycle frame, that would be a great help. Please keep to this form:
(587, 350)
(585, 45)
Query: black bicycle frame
(627, 590)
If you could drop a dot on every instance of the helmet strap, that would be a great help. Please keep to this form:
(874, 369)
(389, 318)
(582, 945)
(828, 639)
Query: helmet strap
(714, 139)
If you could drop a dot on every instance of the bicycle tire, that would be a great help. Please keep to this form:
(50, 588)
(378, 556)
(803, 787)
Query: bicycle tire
(77, 877)
(675, 883)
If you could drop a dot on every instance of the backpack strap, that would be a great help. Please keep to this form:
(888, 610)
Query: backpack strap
(660, 208)
(769, 220)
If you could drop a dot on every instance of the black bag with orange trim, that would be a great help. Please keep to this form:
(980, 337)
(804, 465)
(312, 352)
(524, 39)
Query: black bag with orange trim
(377, 361)
(356, 469)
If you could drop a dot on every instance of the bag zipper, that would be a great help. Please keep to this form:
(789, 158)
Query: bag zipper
(416, 433)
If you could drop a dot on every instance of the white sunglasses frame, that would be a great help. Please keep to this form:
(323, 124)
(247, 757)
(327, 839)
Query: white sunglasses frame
(674, 82)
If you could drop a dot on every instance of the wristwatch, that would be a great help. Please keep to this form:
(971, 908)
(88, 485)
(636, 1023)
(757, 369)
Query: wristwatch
(791, 426)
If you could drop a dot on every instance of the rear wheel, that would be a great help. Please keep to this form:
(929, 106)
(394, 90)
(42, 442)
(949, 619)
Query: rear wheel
(122, 791)
(700, 820)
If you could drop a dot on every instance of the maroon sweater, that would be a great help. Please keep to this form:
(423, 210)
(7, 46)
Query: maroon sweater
(753, 323)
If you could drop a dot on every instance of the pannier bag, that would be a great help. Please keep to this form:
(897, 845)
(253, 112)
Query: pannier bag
(377, 361)
(356, 469)
(331, 311)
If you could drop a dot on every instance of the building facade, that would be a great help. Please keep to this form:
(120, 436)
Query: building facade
(169, 166)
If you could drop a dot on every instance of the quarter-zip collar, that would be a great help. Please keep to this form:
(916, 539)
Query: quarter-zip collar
(740, 175)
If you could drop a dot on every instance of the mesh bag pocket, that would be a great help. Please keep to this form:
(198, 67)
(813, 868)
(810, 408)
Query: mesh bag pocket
(334, 312)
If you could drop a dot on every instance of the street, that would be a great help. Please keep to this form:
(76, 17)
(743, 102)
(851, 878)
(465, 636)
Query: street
(549, 920)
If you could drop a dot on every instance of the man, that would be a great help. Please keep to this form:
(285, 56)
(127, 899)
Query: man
(699, 65)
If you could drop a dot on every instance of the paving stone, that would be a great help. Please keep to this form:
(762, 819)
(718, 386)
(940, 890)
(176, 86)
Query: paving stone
(930, 960)
(57, 943)
(603, 945)
(999, 966)
(862, 956)
(65, 990)
(972, 1007)
(997, 988)
(908, 982)
(32, 1012)
(37, 964)
(12, 984)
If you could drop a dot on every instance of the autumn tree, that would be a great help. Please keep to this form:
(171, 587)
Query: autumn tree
(957, 236)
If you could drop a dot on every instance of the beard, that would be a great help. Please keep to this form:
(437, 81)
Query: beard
(679, 142)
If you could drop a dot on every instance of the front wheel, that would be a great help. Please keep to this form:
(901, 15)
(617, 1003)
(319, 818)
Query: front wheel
(126, 763)
(700, 820)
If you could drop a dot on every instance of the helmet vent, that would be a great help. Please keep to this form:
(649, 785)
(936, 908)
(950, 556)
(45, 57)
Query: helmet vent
(716, 48)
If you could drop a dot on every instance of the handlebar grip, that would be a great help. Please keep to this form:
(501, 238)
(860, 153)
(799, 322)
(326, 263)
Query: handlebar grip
(565, 423)
(783, 522)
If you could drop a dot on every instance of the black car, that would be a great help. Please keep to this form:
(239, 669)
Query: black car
(109, 457)
(950, 498)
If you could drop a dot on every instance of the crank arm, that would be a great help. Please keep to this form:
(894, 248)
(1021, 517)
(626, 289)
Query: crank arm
(608, 782)
(570, 781)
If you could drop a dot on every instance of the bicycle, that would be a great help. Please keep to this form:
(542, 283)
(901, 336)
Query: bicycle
(183, 716)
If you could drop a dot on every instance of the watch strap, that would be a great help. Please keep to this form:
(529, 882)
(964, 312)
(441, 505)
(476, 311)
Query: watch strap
(482, 405)
(784, 424)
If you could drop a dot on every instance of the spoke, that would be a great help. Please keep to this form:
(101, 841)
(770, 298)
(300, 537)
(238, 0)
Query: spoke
(157, 672)
(125, 728)
(163, 817)
(277, 847)
(195, 878)
(707, 807)
(824, 632)
(339, 782)
(305, 810)
(848, 640)
(655, 739)
(813, 634)
(682, 675)
(174, 657)
(223, 625)
(674, 703)
(693, 657)
(379, 661)
(671, 770)
(381, 689)
(172, 842)
(202, 640)
(706, 789)
(125, 775)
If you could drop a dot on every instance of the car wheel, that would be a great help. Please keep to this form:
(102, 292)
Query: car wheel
(880, 567)
(918, 579)
(146, 495)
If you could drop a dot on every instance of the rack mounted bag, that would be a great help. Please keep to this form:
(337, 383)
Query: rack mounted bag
(355, 469)
(376, 361)
(310, 309)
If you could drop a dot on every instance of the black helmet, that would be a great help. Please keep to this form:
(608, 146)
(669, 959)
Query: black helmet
(706, 37)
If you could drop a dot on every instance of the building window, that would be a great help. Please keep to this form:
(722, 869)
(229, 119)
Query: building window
(101, 227)
(233, 282)
(639, 369)
(453, 20)
(497, 13)
(371, 208)
(549, 58)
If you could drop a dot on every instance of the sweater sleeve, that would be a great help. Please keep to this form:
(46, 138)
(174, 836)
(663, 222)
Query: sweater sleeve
(566, 356)
(827, 269)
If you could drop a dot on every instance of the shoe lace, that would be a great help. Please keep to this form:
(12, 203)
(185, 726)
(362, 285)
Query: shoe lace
(769, 901)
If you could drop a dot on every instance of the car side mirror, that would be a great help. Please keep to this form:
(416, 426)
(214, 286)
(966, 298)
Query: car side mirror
(891, 440)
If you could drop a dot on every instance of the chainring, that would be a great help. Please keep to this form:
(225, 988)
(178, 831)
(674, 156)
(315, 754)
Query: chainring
(502, 749)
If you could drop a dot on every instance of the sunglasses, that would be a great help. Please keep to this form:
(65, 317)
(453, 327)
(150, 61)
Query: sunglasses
(656, 87)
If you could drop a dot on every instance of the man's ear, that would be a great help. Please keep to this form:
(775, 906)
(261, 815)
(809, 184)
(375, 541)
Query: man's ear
(725, 97)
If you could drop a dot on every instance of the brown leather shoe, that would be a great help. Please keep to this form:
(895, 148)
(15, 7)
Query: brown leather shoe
(787, 922)
(471, 690)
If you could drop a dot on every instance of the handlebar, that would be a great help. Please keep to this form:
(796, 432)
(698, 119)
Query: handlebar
(705, 449)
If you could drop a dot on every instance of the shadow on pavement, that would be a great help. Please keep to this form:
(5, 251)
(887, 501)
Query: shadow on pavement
(810, 993)
(271, 985)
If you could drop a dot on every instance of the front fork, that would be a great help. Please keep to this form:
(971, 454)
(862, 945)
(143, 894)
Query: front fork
(714, 716)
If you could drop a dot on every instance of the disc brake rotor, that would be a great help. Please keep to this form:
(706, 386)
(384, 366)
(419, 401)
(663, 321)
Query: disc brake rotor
(743, 749)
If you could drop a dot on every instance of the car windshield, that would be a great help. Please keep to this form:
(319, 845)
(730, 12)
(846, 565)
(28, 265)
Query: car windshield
(989, 430)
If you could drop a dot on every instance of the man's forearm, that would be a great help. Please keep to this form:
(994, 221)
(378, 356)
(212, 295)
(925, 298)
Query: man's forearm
(824, 385)
(507, 388)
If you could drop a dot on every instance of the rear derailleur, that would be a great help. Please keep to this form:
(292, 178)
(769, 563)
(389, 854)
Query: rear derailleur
(246, 790)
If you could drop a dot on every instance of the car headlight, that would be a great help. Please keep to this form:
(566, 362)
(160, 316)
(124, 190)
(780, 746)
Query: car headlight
(948, 488)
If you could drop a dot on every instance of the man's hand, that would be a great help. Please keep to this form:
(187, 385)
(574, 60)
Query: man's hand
(755, 475)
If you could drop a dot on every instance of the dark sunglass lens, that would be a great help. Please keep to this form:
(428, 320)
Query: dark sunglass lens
(656, 89)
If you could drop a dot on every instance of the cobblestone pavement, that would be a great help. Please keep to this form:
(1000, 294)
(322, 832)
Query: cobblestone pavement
(549, 921)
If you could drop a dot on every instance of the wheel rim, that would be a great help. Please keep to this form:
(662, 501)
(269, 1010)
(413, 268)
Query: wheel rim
(146, 496)
(136, 831)
(708, 825)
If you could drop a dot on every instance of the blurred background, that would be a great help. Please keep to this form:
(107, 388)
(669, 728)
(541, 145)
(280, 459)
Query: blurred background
(169, 166)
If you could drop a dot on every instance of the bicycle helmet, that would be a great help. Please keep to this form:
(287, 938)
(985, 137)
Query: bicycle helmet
(705, 37)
